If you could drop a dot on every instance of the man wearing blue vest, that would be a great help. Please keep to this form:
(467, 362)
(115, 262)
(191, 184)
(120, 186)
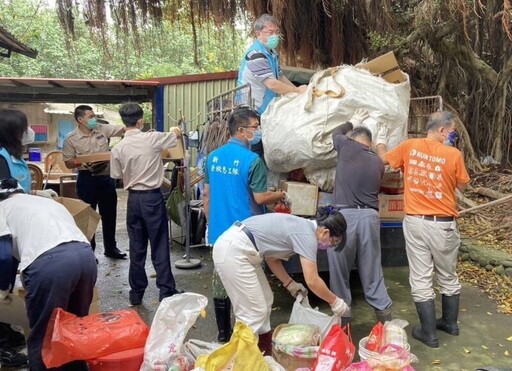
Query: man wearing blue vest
(260, 65)
(235, 188)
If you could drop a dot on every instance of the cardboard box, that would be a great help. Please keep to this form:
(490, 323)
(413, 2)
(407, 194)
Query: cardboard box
(392, 183)
(304, 197)
(85, 217)
(391, 207)
(15, 312)
(94, 157)
(385, 66)
(175, 153)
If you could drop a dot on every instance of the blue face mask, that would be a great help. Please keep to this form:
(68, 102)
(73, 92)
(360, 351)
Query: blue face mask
(256, 138)
(92, 123)
(272, 41)
(452, 138)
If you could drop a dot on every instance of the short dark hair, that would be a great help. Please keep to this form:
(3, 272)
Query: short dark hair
(361, 131)
(440, 119)
(330, 218)
(13, 124)
(239, 118)
(131, 113)
(9, 183)
(80, 111)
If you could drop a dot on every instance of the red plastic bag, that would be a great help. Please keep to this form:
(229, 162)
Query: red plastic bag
(336, 351)
(69, 338)
(376, 336)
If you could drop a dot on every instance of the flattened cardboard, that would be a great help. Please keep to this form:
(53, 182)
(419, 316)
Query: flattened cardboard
(304, 197)
(85, 217)
(391, 207)
(385, 66)
(94, 157)
(175, 153)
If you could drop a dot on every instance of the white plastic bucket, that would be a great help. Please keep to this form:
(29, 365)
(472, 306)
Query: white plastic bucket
(364, 353)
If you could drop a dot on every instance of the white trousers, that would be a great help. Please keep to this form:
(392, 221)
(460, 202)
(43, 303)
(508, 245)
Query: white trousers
(239, 266)
(431, 246)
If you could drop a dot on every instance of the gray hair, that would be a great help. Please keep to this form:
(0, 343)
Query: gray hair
(262, 21)
(361, 131)
(439, 119)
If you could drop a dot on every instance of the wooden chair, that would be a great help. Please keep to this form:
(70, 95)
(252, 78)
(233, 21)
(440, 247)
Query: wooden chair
(36, 176)
(59, 176)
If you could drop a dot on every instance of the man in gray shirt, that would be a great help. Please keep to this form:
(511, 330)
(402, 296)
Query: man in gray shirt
(358, 175)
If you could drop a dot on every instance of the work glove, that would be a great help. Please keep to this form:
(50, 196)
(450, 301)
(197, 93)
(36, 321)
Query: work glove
(48, 193)
(382, 134)
(358, 117)
(296, 288)
(339, 307)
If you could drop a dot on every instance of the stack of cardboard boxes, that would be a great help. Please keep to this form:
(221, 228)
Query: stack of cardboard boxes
(391, 197)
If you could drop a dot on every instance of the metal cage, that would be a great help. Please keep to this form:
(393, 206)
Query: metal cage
(420, 109)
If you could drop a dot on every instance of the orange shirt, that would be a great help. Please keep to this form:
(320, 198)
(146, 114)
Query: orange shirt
(432, 171)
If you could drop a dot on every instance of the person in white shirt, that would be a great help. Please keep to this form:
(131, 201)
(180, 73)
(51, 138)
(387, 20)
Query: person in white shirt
(57, 264)
(136, 159)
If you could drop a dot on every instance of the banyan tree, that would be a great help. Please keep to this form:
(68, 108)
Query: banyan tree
(459, 49)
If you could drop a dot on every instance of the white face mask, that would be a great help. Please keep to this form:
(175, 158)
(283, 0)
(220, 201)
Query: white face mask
(28, 137)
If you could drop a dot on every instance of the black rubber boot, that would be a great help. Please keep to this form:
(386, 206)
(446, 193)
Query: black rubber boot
(265, 343)
(383, 315)
(448, 322)
(223, 317)
(10, 337)
(11, 358)
(427, 332)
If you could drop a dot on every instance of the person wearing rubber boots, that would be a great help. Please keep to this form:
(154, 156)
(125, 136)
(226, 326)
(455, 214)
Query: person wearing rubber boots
(239, 252)
(235, 188)
(433, 170)
(356, 192)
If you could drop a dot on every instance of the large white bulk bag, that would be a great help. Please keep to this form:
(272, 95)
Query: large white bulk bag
(297, 128)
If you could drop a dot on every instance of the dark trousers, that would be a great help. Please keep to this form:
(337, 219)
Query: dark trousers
(100, 191)
(146, 220)
(63, 277)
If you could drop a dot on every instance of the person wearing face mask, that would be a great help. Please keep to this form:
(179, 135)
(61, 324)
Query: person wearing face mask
(94, 184)
(433, 170)
(239, 252)
(260, 65)
(235, 188)
(356, 188)
(136, 159)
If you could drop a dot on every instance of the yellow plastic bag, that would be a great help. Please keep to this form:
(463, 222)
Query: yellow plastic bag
(242, 350)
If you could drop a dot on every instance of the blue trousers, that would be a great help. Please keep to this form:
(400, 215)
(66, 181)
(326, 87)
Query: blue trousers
(63, 277)
(100, 191)
(146, 220)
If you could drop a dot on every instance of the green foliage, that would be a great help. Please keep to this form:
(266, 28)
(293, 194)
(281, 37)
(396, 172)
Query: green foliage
(165, 50)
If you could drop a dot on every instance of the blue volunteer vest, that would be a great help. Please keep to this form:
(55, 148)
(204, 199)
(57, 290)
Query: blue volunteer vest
(273, 59)
(18, 169)
(230, 194)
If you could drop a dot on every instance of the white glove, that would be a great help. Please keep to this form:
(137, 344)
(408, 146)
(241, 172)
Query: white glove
(358, 117)
(382, 134)
(296, 288)
(48, 193)
(339, 307)
(287, 200)
(4, 295)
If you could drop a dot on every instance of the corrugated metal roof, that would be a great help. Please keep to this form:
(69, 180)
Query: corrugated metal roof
(9, 42)
(18, 89)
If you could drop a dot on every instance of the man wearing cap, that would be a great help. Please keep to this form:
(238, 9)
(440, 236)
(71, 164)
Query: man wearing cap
(94, 184)
(56, 262)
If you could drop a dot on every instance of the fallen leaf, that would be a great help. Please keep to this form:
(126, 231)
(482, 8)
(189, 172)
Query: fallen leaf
(436, 362)
(509, 338)
(466, 350)
(507, 353)
(489, 313)
(485, 347)
(203, 313)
